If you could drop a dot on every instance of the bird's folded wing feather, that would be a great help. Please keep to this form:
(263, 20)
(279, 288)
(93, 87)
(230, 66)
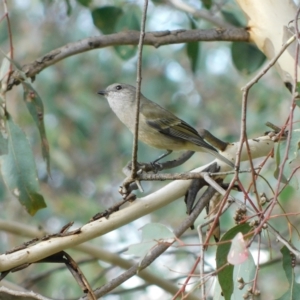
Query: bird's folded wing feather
(168, 124)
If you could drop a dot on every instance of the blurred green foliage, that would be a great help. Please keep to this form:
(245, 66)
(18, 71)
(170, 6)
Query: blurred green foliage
(88, 144)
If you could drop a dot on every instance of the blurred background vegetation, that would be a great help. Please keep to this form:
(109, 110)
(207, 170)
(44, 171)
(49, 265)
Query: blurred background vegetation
(88, 144)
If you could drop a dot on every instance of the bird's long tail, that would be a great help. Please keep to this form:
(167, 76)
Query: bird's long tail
(220, 157)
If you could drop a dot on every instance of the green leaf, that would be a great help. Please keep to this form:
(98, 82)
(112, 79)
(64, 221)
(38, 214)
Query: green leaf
(294, 289)
(16, 64)
(298, 88)
(207, 3)
(287, 193)
(297, 100)
(140, 249)
(293, 156)
(3, 145)
(231, 18)
(69, 7)
(18, 169)
(126, 52)
(105, 18)
(246, 57)
(156, 231)
(35, 106)
(128, 21)
(247, 272)
(4, 69)
(225, 276)
(278, 161)
(152, 234)
(192, 50)
(85, 3)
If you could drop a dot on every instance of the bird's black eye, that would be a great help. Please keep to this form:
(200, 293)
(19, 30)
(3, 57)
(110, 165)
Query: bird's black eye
(118, 87)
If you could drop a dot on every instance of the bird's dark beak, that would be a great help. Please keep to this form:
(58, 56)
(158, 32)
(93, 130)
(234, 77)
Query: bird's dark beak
(102, 93)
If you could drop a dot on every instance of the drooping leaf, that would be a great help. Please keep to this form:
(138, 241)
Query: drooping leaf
(207, 3)
(238, 252)
(287, 193)
(156, 231)
(4, 72)
(246, 57)
(7, 60)
(69, 7)
(3, 145)
(141, 249)
(293, 156)
(297, 100)
(225, 276)
(246, 271)
(5, 68)
(36, 108)
(293, 291)
(105, 18)
(16, 64)
(128, 21)
(18, 169)
(85, 3)
(126, 52)
(231, 18)
(298, 89)
(152, 234)
(278, 162)
(192, 49)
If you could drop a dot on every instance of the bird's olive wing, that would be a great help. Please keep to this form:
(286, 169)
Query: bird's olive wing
(167, 123)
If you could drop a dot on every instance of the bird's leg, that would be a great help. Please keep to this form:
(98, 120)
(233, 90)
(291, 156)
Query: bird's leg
(162, 156)
(156, 166)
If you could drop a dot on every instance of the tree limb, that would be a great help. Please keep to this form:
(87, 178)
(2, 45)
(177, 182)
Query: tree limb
(156, 39)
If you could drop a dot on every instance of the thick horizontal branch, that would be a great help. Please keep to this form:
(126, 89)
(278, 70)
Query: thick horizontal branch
(94, 251)
(155, 39)
(260, 147)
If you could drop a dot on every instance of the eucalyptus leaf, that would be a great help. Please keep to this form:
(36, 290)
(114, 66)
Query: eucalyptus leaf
(246, 57)
(128, 21)
(231, 18)
(3, 145)
(207, 3)
(36, 108)
(19, 171)
(293, 156)
(192, 50)
(152, 234)
(85, 3)
(105, 18)
(293, 291)
(225, 275)
(69, 7)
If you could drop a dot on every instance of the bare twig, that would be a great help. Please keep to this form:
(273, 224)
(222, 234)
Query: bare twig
(138, 92)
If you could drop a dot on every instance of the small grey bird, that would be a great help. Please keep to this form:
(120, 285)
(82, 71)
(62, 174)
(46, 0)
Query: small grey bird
(158, 127)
